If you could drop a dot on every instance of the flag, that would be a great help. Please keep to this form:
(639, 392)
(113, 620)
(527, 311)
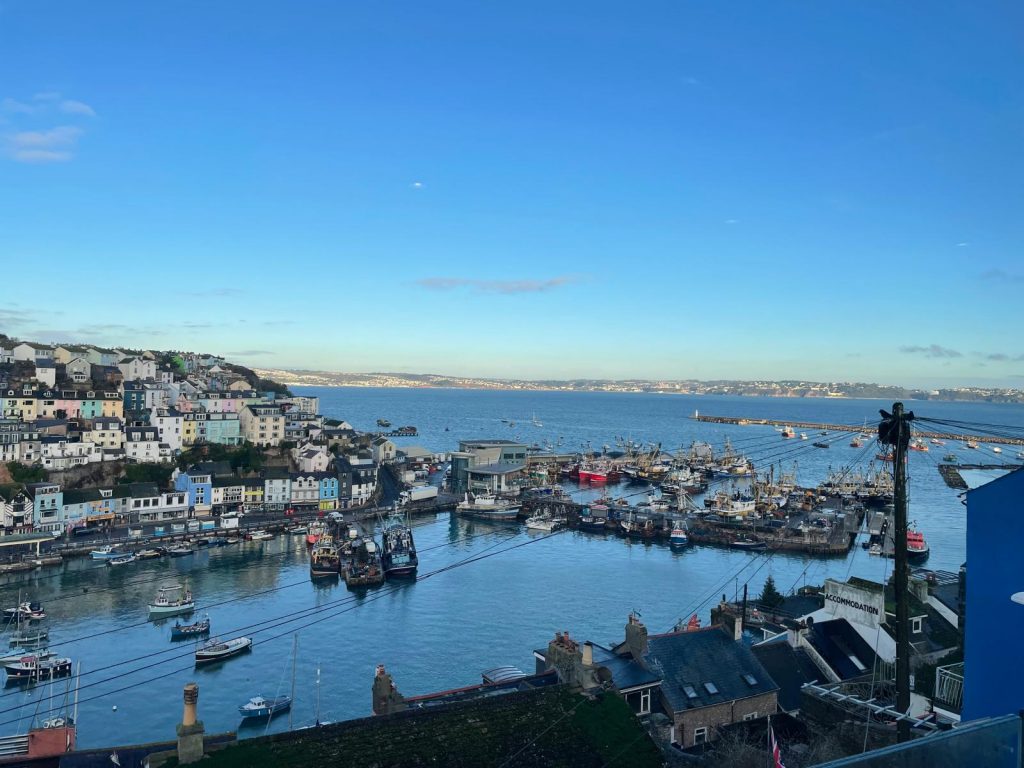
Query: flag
(776, 752)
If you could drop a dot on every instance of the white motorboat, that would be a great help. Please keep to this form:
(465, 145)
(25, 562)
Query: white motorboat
(123, 559)
(106, 553)
(172, 600)
(541, 523)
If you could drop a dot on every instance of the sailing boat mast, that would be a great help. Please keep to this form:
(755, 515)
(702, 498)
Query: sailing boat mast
(295, 655)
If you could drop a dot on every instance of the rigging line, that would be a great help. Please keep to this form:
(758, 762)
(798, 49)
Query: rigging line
(929, 419)
(316, 609)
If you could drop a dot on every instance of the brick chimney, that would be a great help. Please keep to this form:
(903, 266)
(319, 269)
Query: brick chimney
(636, 636)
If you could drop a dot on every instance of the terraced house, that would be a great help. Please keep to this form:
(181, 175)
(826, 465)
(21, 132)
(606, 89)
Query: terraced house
(262, 424)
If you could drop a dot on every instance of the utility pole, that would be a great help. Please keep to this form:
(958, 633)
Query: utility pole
(894, 430)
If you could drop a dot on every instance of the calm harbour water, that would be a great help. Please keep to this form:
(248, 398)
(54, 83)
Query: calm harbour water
(443, 630)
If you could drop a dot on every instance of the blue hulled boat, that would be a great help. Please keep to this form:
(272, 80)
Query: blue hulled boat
(258, 706)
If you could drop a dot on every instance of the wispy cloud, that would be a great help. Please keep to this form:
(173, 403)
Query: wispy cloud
(42, 145)
(15, 107)
(497, 286)
(962, 245)
(1002, 276)
(53, 145)
(932, 350)
(74, 107)
(13, 318)
(732, 221)
(999, 357)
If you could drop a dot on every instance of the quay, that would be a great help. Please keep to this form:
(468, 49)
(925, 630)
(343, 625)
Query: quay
(743, 422)
(951, 473)
(796, 533)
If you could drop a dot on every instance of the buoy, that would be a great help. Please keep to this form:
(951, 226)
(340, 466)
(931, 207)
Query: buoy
(114, 708)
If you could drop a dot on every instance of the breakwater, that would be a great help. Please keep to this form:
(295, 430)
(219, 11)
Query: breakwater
(852, 428)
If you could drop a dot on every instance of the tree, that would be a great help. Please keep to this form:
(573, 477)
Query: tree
(770, 596)
(21, 473)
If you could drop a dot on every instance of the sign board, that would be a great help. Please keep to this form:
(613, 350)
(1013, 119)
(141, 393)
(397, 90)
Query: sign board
(855, 604)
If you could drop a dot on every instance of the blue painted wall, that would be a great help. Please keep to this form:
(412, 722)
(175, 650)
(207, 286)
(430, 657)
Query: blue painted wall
(993, 672)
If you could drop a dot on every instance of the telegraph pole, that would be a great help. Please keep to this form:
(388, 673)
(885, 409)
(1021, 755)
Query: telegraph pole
(894, 430)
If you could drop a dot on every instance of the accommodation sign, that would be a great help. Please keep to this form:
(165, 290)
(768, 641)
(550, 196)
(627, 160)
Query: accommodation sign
(855, 604)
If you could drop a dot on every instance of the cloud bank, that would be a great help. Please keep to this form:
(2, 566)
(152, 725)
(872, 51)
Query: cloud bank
(506, 287)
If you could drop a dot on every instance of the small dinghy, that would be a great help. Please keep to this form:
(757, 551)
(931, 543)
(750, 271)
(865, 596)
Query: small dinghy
(258, 706)
(123, 559)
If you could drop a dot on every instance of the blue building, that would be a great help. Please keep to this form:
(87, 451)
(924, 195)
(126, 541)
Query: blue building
(47, 506)
(197, 481)
(328, 490)
(994, 624)
(134, 398)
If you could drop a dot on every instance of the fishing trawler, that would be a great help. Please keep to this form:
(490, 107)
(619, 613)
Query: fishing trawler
(324, 560)
(398, 550)
(363, 568)
(217, 650)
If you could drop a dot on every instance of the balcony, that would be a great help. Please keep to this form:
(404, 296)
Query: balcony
(949, 688)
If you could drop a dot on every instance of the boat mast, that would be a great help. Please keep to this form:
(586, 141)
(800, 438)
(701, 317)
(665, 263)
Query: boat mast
(318, 694)
(295, 655)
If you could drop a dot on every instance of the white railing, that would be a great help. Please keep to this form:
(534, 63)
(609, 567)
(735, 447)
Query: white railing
(949, 686)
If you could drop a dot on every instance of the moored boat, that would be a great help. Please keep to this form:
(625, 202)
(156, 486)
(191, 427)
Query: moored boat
(182, 550)
(261, 536)
(151, 554)
(29, 637)
(39, 653)
(679, 536)
(258, 706)
(748, 543)
(315, 530)
(25, 611)
(324, 560)
(171, 600)
(123, 559)
(398, 555)
(187, 631)
(917, 547)
(788, 432)
(34, 668)
(107, 552)
(819, 445)
(541, 523)
(218, 650)
(486, 507)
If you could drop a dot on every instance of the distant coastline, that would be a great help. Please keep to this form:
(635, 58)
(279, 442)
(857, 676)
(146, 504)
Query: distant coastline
(787, 389)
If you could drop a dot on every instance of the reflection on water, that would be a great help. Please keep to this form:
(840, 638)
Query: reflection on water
(441, 631)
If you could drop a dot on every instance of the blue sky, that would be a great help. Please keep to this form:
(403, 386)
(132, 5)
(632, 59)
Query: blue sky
(678, 189)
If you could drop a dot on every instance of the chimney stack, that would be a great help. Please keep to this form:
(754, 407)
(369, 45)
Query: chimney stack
(588, 654)
(190, 730)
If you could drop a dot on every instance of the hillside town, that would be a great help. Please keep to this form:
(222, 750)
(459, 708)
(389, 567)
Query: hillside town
(795, 388)
(92, 438)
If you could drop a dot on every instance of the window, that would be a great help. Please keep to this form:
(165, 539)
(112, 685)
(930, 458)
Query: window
(915, 625)
(645, 702)
(711, 688)
(700, 735)
(690, 691)
(751, 680)
(750, 716)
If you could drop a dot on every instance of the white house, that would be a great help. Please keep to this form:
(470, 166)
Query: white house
(30, 352)
(143, 444)
(383, 450)
(136, 368)
(46, 371)
(169, 423)
(59, 453)
(106, 432)
(311, 458)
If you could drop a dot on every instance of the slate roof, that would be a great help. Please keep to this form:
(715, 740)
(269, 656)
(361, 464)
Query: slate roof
(214, 468)
(137, 490)
(226, 481)
(789, 667)
(691, 660)
(80, 495)
(801, 605)
(626, 672)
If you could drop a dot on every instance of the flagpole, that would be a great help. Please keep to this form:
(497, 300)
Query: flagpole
(771, 752)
